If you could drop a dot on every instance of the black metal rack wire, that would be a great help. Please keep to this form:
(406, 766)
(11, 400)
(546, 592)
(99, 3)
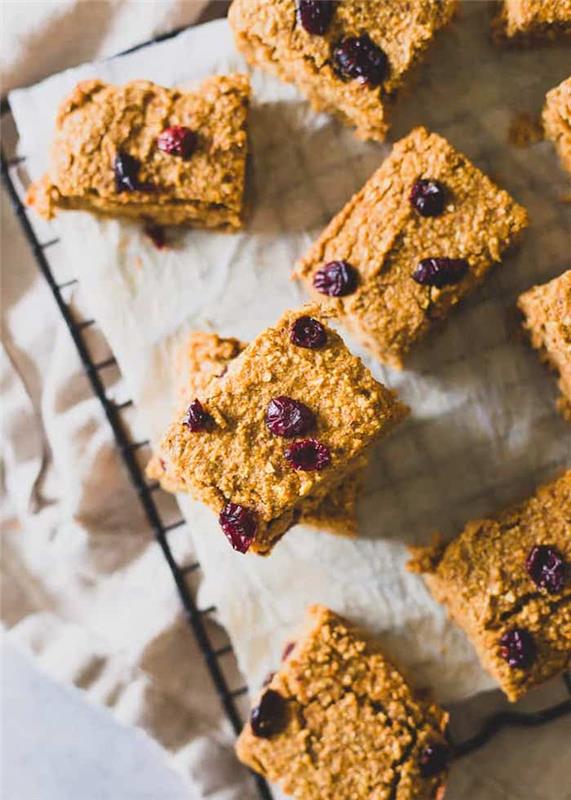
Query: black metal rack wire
(147, 493)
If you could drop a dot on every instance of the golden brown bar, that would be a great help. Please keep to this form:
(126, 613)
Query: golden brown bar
(506, 581)
(349, 58)
(205, 357)
(338, 722)
(289, 421)
(168, 156)
(420, 235)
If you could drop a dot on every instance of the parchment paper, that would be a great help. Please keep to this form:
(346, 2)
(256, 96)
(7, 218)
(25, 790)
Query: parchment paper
(483, 430)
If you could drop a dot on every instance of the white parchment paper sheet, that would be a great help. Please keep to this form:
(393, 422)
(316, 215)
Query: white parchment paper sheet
(483, 429)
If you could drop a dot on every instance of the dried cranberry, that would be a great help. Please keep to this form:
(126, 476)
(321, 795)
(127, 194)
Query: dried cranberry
(357, 57)
(433, 759)
(440, 271)
(178, 141)
(287, 650)
(547, 568)
(308, 455)
(308, 332)
(196, 419)
(518, 648)
(336, 279)
(269, 716)
(239, 525)
(156, 234)
(315, 15)
(427, 197)
(126, 169)
(288, 417)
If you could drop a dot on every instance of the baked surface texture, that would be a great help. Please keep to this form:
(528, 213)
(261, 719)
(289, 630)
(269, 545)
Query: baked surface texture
(384, 238)
(202, 359)
(547, 312)
(523, 21)
(239, 460)
(270, 35)
(352, 729)
(98, 122)
(557, 120)
(485, 580)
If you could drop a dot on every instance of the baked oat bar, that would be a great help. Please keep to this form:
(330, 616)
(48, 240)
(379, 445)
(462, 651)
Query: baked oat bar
(348, 58)
(557, 121)
(547, 312)
(338, 722)
(205, 357)
(289, 421)
(506, 581)
(169, 156)
(523, 21)
(419, 236)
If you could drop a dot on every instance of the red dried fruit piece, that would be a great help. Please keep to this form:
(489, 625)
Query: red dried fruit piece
(440, 272)
(517, 647)
(178, 140)
(315, 15)
(336, 279)
(547, 568)
(288, 417)
(196, 419)
(269, 716)
(359, 58)
(308, 455)
(126, 169)
(308, 332)
(239, 525)
(428, 197)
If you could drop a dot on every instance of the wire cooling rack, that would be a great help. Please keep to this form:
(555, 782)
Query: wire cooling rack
(148, 492)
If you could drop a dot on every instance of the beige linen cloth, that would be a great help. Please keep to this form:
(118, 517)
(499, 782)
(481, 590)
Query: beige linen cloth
(86, 589)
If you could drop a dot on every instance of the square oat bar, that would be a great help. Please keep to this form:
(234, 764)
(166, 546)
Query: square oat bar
(349, 58)
(420, 235)
(170, 156)
(293, 417)
(337, 721)
(506, 581)
(203, 359)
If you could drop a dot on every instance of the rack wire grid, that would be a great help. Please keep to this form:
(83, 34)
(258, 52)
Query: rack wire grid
(147, 492)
